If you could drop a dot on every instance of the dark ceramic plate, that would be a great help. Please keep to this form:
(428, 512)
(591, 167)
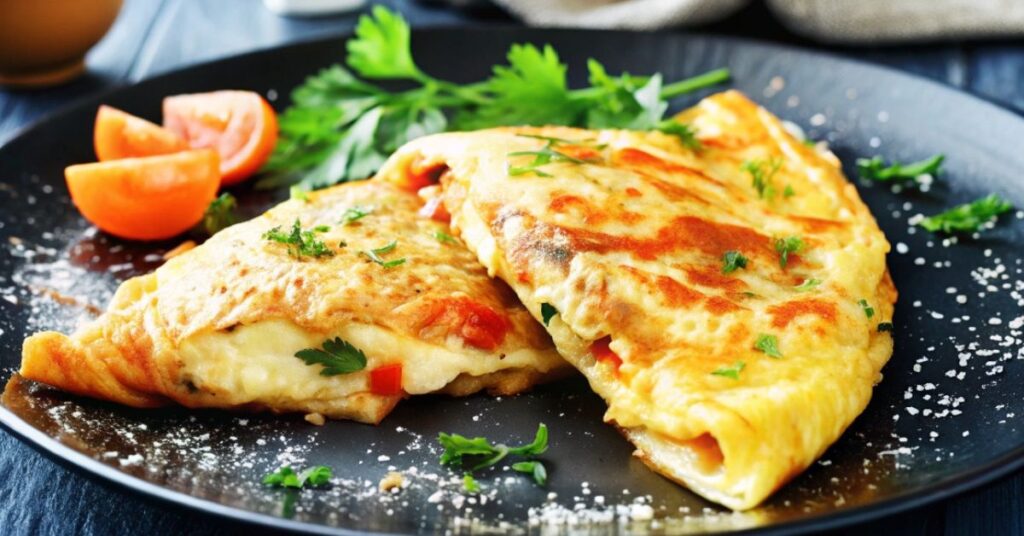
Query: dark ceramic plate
(948, 415)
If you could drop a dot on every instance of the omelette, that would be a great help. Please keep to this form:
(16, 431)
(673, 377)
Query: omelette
(728, 299)
(340, 304)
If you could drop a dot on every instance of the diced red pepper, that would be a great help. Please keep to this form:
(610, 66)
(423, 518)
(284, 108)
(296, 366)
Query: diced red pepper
(386, 380)
(602, 352)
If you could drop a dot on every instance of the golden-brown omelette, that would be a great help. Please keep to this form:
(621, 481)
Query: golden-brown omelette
(730, 303)
(219, 326)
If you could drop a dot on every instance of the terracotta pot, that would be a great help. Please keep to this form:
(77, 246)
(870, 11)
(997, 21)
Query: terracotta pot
(43, 42)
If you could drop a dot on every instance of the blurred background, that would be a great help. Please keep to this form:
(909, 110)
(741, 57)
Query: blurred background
(55, 51)
(972, 44)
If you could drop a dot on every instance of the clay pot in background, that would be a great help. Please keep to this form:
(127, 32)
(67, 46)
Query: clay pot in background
(43, 42)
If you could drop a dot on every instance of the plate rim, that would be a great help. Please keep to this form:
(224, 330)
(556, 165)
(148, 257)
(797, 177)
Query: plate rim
(945, 489)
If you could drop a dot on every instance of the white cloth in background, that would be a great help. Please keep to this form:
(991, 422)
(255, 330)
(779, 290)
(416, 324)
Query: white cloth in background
(843, 21)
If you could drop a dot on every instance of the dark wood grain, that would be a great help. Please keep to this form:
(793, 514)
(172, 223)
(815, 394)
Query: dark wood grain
(38, 496)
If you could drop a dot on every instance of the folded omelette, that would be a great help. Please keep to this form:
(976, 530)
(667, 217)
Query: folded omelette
(341, 304)
(729, 300)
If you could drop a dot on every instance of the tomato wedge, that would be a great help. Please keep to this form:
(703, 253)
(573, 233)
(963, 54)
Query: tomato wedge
(121, 135)
(149, 198)
(239, 125)
(386, 380)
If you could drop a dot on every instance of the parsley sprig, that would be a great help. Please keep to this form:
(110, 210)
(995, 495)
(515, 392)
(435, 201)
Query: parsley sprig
(341, 127)
(374, 255)
(286, 477)
(473, 454)
(968, 217)
(785, 246)
(876, 170)
(769, 344)
(732, 261)
(761, 174)
(731, 371)
(220, 214)
(547, 312)
(301, 243)
(545, 155)
(355, 213)
(337, 356)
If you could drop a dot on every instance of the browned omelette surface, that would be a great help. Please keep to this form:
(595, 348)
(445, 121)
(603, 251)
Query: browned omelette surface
(218, 326)
(728, 381)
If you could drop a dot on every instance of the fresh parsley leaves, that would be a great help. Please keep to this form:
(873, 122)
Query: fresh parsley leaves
(220, 214)
(876, 170)
(547, 311)
(534, 469)
(785, 246)
(354, 214)
(808, 284)
(286, 477)
(341, 127)
(788, 192)
(869, 311)
(732, 261)
(478, 453)
(769, 344)
(374, 255)
(444, 237)
(731, 371)
(685, 133)
(761, 174)
(469, 484)
(545, 155)
(969, 217)
(337, 356)
(301, 243)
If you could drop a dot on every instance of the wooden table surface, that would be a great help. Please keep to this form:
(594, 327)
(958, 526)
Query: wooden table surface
(40, 497)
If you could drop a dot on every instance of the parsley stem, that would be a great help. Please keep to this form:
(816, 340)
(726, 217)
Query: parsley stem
(700, 81)
(502, 451)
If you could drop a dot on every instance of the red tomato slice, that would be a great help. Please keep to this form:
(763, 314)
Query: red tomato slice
(601, 351)
(240, 125)
(149, 198)
(121, 135)
(386, 380)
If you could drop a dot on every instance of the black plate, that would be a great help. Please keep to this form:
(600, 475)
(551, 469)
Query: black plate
(946, 417)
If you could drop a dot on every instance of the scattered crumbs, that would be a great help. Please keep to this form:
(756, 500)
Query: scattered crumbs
(315, 419)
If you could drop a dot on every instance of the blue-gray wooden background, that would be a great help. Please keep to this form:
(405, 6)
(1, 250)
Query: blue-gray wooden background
(39, 497)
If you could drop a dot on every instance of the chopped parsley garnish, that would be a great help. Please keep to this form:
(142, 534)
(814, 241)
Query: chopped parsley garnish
(337, 356)
(354, 214)
(374, 255)
(788, 192)
(761, 173)
(885, 326)
(732, 371)
(547, 311)
(478, 453)
(220, 214)
(545, 155)
(300, 243)
(534, 469)
(444, 237)
(732, 261)
(684, 132)
(876, 170)
(769, 344)
(968, 217)
(785, 246)
(809, 284)
(469, 484)
(342, 125)
(286, 477)
(869, 311)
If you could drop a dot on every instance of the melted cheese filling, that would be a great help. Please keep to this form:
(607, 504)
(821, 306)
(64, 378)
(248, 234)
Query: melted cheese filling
(257, 363)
